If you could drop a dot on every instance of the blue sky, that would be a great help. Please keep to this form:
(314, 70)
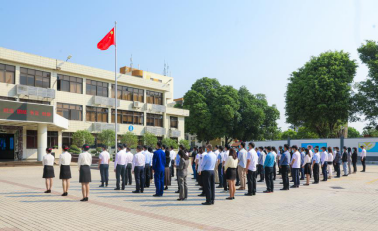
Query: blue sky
(252, 43)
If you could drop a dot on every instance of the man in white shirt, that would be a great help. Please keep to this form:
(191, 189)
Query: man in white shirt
(119, 167)
(203, 153)
(324, 163)
(251, 169)
(242, 165)
(139, 161)
(363, 158)
(296, 166)
(216, 152)
(226, 152)
(330, 163)
(129, 165)
(172, 155)
(103, 165)
(147, 167)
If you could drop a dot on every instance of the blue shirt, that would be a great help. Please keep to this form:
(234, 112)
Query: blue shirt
(302, 158)
(208, 162)
(285, 158)
(269, 160)
(147, 157)
(158, 161)
(177, 160)
(316, 158)
(258, 153)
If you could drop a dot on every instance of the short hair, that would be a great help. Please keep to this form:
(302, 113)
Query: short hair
(269, 148)
(324, 148)
(85, 147)
(295, 147)
(286, 146)
(227, 146)
(48, 150)
(145, 147)
(164, 146)
(209, 146)
(65, 148)
(124, 146)
(158, 144)
(149, 149)
(139, 147)
(171, 147)
(274, 149)
(362, 146)
(220, 147)
(252, 144)
(242, 144)
(181, 147)
(120, 146)
(103, 147)
(316, 150)
(261, 148)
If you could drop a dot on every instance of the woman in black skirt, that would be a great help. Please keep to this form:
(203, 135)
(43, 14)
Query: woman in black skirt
(48, 169)
(230, 169)
(307, 166)
(84, 163)
(65, 169)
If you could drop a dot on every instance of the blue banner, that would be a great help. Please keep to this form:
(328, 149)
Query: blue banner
(305, 145)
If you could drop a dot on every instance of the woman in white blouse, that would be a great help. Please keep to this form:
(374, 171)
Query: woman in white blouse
(84, 163)
(307, 166)
(65, 169)
(230, 169)
(48, 169)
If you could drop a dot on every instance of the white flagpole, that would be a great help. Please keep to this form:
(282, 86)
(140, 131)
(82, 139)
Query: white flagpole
(115, 92)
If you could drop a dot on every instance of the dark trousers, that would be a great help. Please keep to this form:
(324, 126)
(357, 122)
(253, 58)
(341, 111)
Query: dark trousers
(209, 185)
(147, 174)
(302, 173)
(120, 173)
(139, 178)
(237, 178)
(316, 173)
(128, 176)
(159, 182)
(337, 169)
(354, 166)
(104, 172)
(296, 176)
(261, 171)
(220, 175)
(224, 180)
(285, 176)
(194, 171)
(251, 181)
(269, 179)
(274, 171)
(363, 162)
(172, 168)
(324, 171)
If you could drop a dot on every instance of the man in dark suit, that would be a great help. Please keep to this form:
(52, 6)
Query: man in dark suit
(158, 165)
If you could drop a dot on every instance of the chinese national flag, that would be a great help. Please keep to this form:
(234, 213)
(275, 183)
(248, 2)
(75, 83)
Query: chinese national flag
(107, 41)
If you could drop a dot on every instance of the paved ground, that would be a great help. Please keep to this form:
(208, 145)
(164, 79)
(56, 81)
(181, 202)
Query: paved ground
(349, 203)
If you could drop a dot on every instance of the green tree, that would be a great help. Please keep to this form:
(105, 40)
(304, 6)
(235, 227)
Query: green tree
(353, 133)
(288, 133)
(82, 137)
(150, 139)
(170, 142)
(130, 139)
(305, 133)
(107, 137)
(74, 149)
(370, 132)
(185, 143)
(318, 95)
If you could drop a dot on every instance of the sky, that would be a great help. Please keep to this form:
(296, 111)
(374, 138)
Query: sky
(252, 43)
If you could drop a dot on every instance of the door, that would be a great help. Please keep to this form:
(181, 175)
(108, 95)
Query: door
(6, 146)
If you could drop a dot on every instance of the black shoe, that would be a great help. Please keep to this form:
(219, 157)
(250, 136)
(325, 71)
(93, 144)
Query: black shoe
(266, 191)
(301, 179)
(229, 198)
(48, 191)
(166, 188)
(293, 186)
(324, 180)
(136, 191)
(117, 189)
(201, 195)
(260, 181)
(281, 182)
(64, 194)
(177, 191)
(363, 171)
(248, 194)
(84, 199)
(106, 185)
(155, 195)
(220, 187)
(207, 203)
(200, 189)
(284, 189)
(196, 185)
(180, 199)
(101, 186)
(193, 178)
(237, 185)
(345, 175)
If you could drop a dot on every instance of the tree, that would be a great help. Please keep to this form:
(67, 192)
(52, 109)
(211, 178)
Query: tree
(82, 137)
(185, 143)
(107, 138)
(149, 139)
(318, 95)
(74, 149)
(130, 139)
(353, 133)
(170, 142)
(305, 133)
(366, 100)
(370, 132)
(288, 133)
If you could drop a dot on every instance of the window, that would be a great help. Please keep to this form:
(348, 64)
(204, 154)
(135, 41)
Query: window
(67, 138)
(154, 120)
(31, 139)
(97, 88)
(70, 111)
(70, 84)
(174, 122)
(128, 117)
(154, 97)
(34, 78)
(97, 114)
(7, 73)
(52, 139)
(34, 101)
(128, 93)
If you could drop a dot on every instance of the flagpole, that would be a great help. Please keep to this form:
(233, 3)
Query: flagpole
(115, 77)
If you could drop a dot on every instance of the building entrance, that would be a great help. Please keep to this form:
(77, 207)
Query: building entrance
(7, 146)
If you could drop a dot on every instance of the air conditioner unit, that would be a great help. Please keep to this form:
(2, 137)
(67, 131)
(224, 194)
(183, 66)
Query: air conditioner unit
(137, 104)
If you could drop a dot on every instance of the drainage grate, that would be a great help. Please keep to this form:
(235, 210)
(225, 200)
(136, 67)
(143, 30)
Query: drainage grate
(337, 187)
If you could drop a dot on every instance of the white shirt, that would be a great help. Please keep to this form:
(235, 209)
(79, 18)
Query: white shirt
(48, 159)
(225, 156)
(217, 153)
(363, 153)
(139, 160)
(311, 154)
(330, 157)
(252, 156)
(307, 160)
(172, 154)
(104, 157)
(200, 161)
(85, 159)
(129, 158)
(275, 156)
(120, 158)
(324, 157)
(297, 160)
(65, 158)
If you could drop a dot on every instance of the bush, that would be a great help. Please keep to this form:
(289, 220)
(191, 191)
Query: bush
(82, 137)
(130, 139)
(149, 139)
(74, 149)
(185, 143)
(170, 142)
(107, 138)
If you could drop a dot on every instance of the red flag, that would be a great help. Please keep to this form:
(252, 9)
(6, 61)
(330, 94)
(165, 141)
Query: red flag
(107, 41)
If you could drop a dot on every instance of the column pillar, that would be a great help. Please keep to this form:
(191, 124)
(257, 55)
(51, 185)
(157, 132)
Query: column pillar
(42, 140)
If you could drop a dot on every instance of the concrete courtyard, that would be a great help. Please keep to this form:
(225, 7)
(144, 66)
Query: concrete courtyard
(347, 203)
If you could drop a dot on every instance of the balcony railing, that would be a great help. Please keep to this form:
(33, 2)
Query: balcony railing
(105, 101)
(35, 91)
(157, 131)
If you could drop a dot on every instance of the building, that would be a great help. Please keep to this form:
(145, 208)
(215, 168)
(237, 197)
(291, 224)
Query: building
(43, 101)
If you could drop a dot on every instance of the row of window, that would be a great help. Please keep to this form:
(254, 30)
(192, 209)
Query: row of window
(73, 84)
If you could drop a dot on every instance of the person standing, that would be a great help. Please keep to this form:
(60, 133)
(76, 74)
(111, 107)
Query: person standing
(147, 166)
(84, 162)
(336, 162)
(226, 153)
(220, 166)
(284, 165)
(345, 161)
(168, 163)
(172, 155)
(158, 166)
(177, 162)
(251, 170)
(303, 154)
(324, 161)
(307, 166)
(349, 160)
(128, 164)
(242, 166)
(330, 162)
(363, 158)
(315, 165)
(354, 160)
(151, 156)
(231, 168)
(201, 177)
(216, 152)
(119, 168)
(207, 172)
(48, 169)
(274, 151)
(182, 173)
(296, 166)
(260, 165)
(139, 162)
(194, 154)
(103, 165)
(65, 169)
(268, 167)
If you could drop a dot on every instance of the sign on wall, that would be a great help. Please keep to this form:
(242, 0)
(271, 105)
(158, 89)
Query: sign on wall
(305, 145)
(369, 146)
(26, 112)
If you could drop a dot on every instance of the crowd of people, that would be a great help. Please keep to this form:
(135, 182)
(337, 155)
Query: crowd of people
(227, 167)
